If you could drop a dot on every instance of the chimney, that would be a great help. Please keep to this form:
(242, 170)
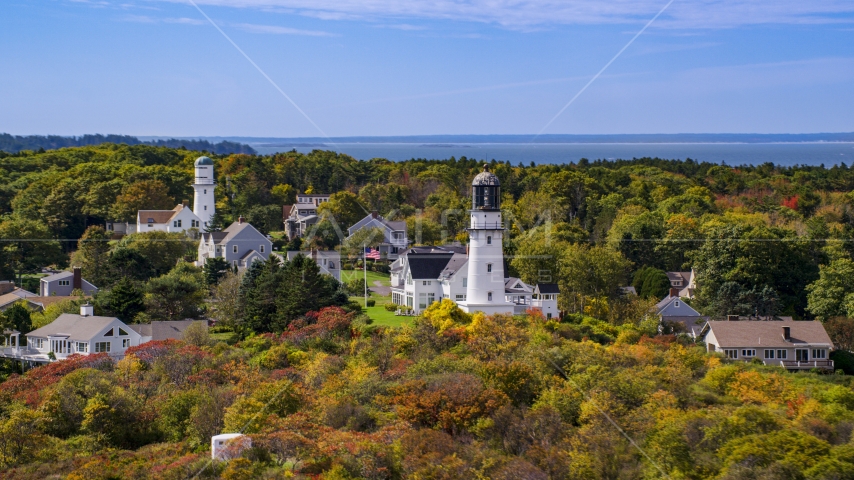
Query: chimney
(185, 203)
(77, 283)
(787, 334)
(674, 292)
(87, 310)
(732, 318)
(374, 214)
(314, 254)
(240, 219)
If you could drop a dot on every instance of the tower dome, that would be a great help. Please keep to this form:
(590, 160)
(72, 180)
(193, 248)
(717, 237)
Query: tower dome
(485, 190)
(203, 161)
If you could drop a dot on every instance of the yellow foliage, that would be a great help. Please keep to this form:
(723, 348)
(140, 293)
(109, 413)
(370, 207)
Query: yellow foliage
(130, 365)
(445, 314)
(755, 387)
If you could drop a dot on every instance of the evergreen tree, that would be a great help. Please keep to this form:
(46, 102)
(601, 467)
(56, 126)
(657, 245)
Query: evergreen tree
(125, 300)
(216, 223)
(92, 255)
(17, 317)
(128, 263)
(215, 268)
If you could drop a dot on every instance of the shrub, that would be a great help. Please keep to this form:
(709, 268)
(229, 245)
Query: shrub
(371, 302)
(391, 307)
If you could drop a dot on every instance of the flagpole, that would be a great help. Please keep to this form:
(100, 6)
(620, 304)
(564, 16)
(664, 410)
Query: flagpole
(365, 271)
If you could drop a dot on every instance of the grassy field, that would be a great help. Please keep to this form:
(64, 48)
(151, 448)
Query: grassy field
(379, 314)
(347, 275)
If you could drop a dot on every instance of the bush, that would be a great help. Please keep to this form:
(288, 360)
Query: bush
(391, 307)
(843, 360)
(356, 286)
(371, 302)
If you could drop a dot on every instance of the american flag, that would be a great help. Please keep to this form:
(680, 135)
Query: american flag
(372, 254)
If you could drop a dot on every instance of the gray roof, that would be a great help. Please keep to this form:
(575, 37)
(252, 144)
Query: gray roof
(485, 178)
(58, 276)
(75, 327)
(453, 265)
(229, 232)
(762, 334)
(510, 285)
(547, 288)
(204, 161)
(428, 266)
(163, 330)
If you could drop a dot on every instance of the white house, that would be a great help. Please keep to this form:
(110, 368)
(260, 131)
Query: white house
(394, 238)
(794, 345)
(473, 276)
(239, 244)
(303, 214)
(227, 446)
(179, 219)
(81, 334)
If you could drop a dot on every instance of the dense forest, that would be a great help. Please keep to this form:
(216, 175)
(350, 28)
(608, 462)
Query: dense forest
(763, 239)
(16, 143)
(325, 393)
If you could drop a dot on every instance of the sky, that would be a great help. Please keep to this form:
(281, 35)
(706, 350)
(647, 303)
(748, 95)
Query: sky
(291, 68)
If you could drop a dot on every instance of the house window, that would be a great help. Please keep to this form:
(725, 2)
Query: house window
(234, 262)
(82, 347)
(769, 354)
(489, 239)
(101, 347)
(37, 342)
(460, 297)
(110, 333)
(409, 279)
(125, 342)
(64, 283)
(425, 299)
(426, 282)
(262, 248)
(122, 332)
(409, 301)
(465, 282)
(234, 249)
(819, 353)
(549, 316)
(748, 353)
(731, 353)
(488, 268)
(331, 264)
(489, 296)
(781, 354)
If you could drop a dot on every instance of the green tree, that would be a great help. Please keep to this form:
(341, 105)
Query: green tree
(216, 223)
(162, 250)
(830, 294)
(124, 300)
(142, 195)
(26, 246)
(651, 282)
(17, 317)
(177, 295)
(215, 268)
(127, 263)
(265, 218)
(344, 207)
(92, 255)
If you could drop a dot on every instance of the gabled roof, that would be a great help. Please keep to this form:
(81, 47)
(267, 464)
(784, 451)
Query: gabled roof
(457, 261)
(163, 330)
(75, 327)
(510, 286)
(762, 334)
(58, 276)
(10, 298)
(286, 210)
(684, 277)
(48, 301)
(428, 266)
(229, 233)
(156, 216)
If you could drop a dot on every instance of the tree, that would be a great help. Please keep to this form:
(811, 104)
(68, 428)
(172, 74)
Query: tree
(227, 307)
(127, 263)
(17, 317)
(651, 282)
(829, 294)
(344, 207)
(92, 255)
(355, 244)
(586, 272)
(177, 295)
(26, 246)
(841, 331)
(163, 250)
(216, 223)
(215, 268)
(266, 218)
(142, 195)
(124, 300)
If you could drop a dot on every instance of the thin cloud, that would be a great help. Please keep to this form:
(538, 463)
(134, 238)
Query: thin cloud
(276, 30)
(525, 14)
(403, 26)
(150, 19)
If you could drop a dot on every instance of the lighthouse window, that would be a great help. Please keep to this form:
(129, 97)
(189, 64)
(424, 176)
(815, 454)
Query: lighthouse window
(488, 268)
(489, 296)
(489, 240)
(206, 207)
(206, 191)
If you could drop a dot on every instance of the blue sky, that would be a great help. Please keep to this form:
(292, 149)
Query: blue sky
(398, 67)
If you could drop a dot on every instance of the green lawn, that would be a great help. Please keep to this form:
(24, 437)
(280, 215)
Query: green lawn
(347, 275)
(379, 314)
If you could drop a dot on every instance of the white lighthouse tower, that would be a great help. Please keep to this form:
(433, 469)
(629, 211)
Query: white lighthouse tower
(204, 203)
(485, 289)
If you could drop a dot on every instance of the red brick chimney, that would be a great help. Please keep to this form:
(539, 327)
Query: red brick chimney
(374, 214)
(240, 219)
(674, 292)
(787, 333)
(77, 282)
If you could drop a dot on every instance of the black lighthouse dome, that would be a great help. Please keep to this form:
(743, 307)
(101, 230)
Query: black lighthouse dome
(486, 190)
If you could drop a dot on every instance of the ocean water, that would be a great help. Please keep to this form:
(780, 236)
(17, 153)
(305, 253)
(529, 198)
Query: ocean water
(787, 154)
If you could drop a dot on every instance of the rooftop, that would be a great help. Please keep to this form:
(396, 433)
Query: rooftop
(768, 333)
